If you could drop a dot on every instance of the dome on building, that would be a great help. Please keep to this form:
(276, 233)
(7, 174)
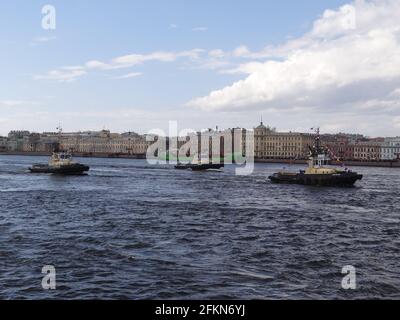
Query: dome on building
(261, 126)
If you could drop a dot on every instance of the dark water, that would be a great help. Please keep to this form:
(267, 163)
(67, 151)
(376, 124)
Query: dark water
(133, 231)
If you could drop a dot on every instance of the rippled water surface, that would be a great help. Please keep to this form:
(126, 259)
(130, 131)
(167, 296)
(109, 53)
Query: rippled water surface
(134, 231)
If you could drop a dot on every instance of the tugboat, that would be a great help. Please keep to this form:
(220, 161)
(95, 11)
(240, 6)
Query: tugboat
(199, 166)
(317, 173)
(60, 163)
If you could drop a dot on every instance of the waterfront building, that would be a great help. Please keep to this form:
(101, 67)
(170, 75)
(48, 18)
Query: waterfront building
(240, 138)
(229, 143)
(47, 142)
(16, 140)
(3, 144)
(88, 142)
(201, 144)
(368, 149)
(104, 142)
(270, 144)
(129, 143)
(341, 146)
(18, 134)
(391, 149)
(211, 144)
(31, 142)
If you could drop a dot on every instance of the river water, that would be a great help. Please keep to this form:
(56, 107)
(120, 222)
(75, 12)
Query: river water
(130, 230)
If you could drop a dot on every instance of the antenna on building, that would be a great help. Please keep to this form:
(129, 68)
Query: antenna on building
(262, 120)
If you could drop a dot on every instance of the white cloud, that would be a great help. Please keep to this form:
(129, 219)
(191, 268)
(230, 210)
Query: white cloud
(395, 93)
(247, 68)
(136, 59)
(94, 64)
(161, 56)
(216, 53)
(351, 55)
(215, 60)
(241, 51)
(71, 73)
(65, 74)
(333, 23)
(130, 75)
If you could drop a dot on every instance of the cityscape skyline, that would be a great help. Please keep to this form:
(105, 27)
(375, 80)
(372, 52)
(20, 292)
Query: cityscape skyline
(262, 141)
(333, 64)
(183, 130)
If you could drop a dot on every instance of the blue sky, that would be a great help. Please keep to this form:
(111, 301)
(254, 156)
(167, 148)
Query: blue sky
(186, 49)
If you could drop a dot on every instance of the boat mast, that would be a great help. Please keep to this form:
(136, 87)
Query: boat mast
(59, 133)
(318, 139)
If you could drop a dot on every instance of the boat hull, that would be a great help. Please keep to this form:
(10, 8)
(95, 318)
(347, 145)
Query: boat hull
(75, 169)
(199, 167)
(343, 179)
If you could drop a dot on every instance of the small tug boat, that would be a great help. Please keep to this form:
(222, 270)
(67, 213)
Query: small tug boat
(199, 165)
(60, 163)
(317, 173)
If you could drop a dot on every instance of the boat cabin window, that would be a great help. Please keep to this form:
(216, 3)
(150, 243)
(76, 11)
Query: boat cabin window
(320, 163)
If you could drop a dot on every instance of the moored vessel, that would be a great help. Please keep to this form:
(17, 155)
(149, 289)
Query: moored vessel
(318, 172)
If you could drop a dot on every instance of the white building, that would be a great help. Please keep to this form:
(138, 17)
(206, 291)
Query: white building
(3, 143)
(391, 149)
(16, 140)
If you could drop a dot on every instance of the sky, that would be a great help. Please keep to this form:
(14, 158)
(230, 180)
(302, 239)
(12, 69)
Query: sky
(128, 65)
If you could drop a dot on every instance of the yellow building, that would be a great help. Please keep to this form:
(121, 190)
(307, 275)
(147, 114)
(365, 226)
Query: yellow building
(105, 142)
(270, 144)
(368, 150)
